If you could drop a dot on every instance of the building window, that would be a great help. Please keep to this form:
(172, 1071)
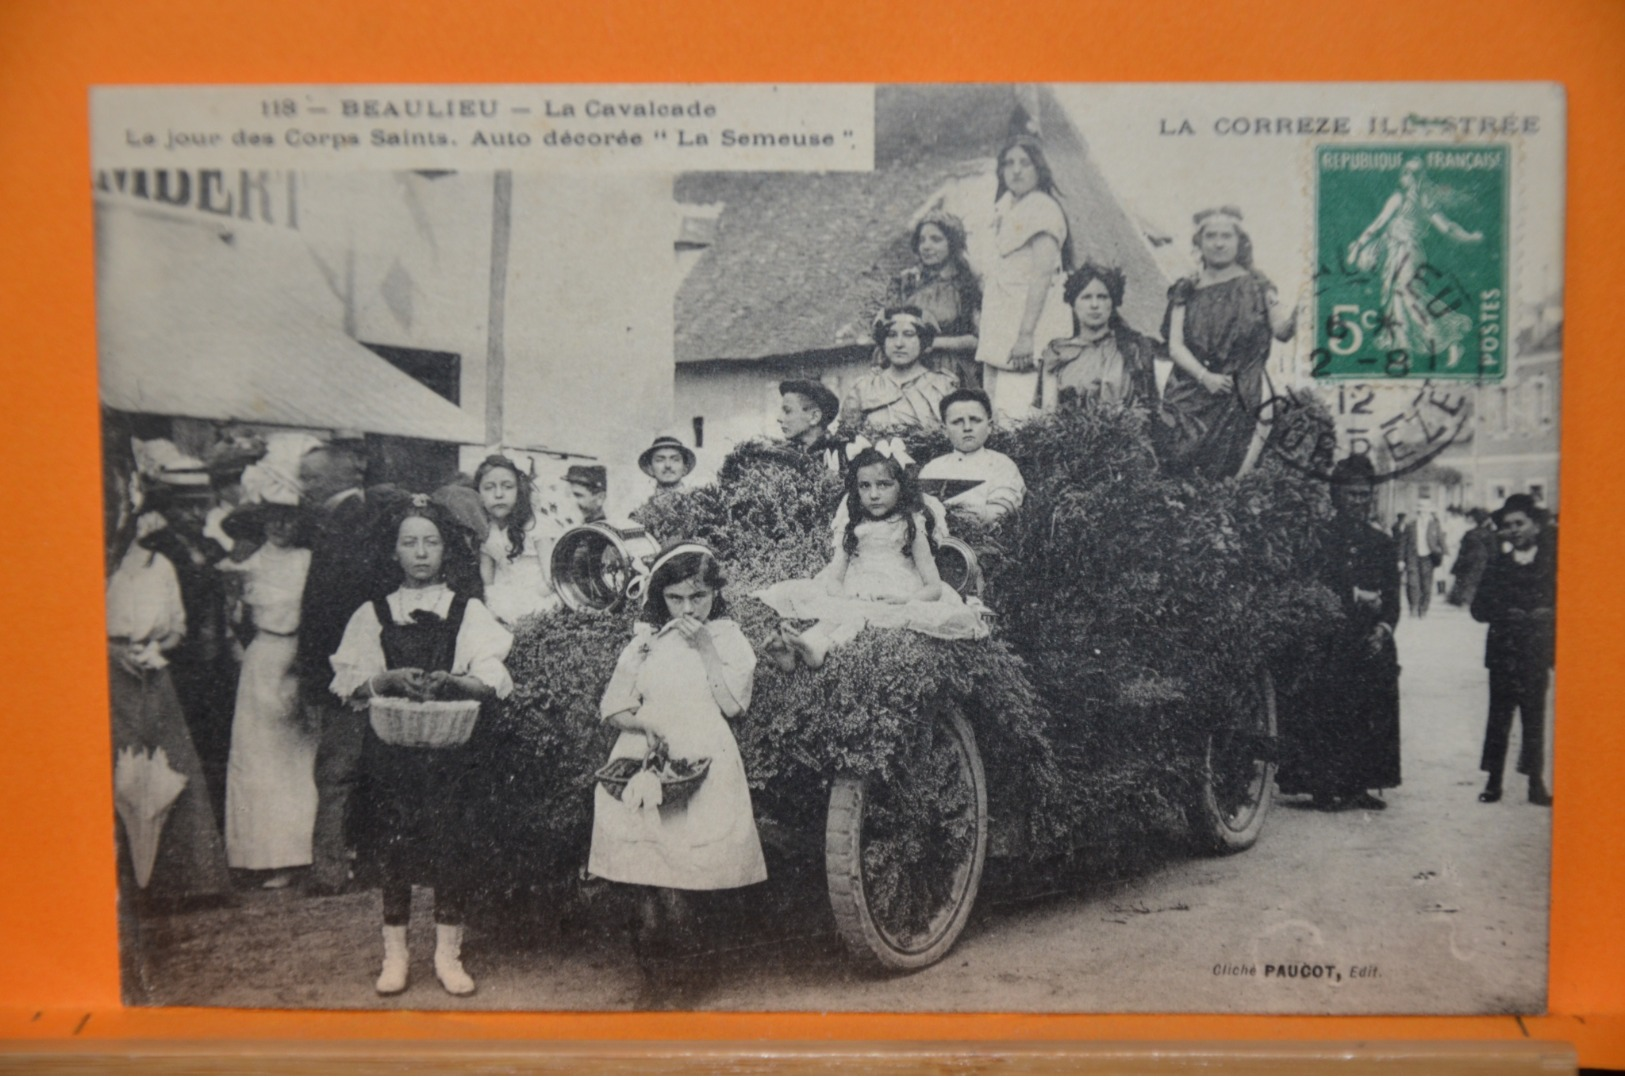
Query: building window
(1543, 402)
(1503, 409)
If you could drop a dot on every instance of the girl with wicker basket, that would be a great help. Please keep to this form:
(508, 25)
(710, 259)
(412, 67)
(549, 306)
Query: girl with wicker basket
(422, 660)
(687, 671)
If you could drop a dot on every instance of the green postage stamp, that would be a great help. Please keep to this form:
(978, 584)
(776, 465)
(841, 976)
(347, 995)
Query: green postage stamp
(1411, 262)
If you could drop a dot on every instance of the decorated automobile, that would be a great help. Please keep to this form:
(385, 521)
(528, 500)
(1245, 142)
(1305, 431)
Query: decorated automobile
(1126, 695)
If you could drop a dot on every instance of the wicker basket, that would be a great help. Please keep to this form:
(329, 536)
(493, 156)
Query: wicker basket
(402, 722)
(679, 780)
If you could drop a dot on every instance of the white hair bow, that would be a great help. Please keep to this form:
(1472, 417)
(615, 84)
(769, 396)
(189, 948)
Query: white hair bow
(893, 448)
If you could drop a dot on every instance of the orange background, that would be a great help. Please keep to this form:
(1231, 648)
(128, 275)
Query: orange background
(57, 939)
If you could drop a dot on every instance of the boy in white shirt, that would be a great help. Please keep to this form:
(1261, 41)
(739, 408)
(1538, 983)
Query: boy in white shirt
(972, 478)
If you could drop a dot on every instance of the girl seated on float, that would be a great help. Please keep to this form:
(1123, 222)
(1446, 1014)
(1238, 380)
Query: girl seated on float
(883, 572)
(431, 640)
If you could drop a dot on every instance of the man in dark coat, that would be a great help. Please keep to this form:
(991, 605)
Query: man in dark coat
(1347, 723)
(340, 580)
(203, 665)
(1518, 598)
(1477, 545)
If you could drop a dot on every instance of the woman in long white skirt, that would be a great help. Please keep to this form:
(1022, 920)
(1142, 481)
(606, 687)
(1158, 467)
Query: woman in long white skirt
(270, 776)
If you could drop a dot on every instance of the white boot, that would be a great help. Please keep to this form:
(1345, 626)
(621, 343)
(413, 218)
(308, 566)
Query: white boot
(448, 960)
(392, 980)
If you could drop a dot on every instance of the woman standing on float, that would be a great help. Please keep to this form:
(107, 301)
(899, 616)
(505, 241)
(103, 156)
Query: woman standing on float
(1220, 324)
(1022, 310)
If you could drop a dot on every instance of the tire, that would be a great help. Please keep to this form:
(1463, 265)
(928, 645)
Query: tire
(880, 927)
(1237, 782)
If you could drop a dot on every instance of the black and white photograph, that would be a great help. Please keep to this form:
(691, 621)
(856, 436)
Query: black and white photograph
(1051, 548)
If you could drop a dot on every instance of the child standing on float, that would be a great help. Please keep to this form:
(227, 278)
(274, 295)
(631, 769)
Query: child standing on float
(687, 671)
(883, 572)
(431, 638)
(516, 583)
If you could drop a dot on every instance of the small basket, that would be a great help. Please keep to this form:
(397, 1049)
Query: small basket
(428, 724)
(679, 779)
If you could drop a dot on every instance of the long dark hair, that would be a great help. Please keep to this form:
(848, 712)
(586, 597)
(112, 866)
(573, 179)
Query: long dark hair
(1244, 242)
(909, 500)
(953, 230)
(523, 514)
(1034, 147)
(460, 565)
(1110, 276)
(680, 568)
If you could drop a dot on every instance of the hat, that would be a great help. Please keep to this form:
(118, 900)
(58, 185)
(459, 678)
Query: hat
(666, 442)
(816, 392)
(227, 459)
(1518, 504)
(592, 477)
(1354, 469)
(462, 504)
(247, 522)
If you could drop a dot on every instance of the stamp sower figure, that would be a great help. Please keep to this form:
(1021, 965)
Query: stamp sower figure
(944, 286)
(1348, 737)
(1411, 320)
(667, 461)
(431, 639)
(971, 478)
(687, 672)
(340, 579)
(1219, 327)
(1518, 598)
(1104, 360)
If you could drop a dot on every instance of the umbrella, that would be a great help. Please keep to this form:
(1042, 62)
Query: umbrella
(144, 790)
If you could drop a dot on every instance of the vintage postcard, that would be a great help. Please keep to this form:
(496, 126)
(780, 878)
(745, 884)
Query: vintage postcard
(988, 548)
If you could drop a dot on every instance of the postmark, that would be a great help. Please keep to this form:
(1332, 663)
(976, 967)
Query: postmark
(1411, 278)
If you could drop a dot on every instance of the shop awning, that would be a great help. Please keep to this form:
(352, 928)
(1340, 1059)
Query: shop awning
(205, 319)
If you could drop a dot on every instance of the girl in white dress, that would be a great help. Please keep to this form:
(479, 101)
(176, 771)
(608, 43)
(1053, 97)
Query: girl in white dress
(883, 572)
(270, 775)
(516, 582)
(687, 672)
(1022, 306)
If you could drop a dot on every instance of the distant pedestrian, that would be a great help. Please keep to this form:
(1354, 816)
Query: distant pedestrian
(1518, 598)
(1421, 550)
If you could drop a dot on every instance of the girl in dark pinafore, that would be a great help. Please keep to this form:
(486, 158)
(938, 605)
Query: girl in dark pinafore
(429, 645)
